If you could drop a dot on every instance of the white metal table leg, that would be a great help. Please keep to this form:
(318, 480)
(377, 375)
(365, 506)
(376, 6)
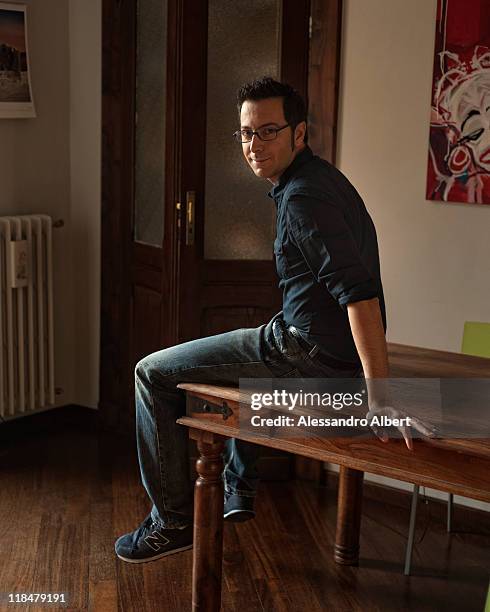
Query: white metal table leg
(411, 530)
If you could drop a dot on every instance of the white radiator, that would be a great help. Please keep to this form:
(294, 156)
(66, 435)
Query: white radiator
(26, 315)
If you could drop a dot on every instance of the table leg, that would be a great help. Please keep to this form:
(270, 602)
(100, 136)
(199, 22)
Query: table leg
(208, 524)
(348, 516)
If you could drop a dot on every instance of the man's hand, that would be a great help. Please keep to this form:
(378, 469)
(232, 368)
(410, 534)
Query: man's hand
(392, 413)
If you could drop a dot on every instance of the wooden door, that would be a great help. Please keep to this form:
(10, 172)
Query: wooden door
(228, 277)
(166, 280)
(140, 185)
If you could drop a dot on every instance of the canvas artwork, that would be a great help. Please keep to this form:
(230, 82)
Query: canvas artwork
(15, 84)
(459, 147)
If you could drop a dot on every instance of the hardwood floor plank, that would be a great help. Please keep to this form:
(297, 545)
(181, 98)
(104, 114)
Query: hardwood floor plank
(167, 585)
(102, 566)
(237, 594)
(103, 596)
(20, 516)
(266, 570)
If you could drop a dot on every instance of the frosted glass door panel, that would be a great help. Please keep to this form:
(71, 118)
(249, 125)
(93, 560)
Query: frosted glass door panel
(150, 121)
(243, 44)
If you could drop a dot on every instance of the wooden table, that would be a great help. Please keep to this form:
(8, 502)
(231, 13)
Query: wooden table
(457, 466)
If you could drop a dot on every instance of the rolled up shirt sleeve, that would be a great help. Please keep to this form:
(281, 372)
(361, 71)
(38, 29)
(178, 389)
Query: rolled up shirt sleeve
(321, 233)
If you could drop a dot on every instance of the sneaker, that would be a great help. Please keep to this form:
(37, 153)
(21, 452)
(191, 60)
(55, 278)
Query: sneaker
(238, 508)
(150, 542)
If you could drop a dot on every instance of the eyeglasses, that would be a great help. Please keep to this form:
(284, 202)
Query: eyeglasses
(264, 133)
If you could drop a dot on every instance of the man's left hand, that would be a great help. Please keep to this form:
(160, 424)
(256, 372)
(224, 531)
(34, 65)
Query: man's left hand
(390, 412)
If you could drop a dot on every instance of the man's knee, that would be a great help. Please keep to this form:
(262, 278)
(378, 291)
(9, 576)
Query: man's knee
(153, 367)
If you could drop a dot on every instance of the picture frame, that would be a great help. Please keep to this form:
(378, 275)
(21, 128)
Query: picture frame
(16, 99)
(459, 143)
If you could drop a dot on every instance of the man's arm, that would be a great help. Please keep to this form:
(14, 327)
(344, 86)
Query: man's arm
(368, 332)
(369, 337)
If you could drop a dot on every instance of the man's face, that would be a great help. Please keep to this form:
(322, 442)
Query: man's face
(268, 159)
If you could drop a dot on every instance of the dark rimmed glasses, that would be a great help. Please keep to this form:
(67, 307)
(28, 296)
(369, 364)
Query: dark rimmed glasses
(264, 133)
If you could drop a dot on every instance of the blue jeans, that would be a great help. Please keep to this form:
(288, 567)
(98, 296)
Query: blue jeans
(268, 351)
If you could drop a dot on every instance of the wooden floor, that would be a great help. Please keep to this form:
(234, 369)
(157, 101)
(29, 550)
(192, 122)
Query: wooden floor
(67, 492)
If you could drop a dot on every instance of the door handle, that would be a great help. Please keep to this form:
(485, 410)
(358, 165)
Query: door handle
(178, 218)
(190, 197)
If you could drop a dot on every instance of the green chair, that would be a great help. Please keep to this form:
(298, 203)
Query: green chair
(476, 341)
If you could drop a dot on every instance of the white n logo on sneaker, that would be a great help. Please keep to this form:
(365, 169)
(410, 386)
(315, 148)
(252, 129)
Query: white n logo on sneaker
(156, 540)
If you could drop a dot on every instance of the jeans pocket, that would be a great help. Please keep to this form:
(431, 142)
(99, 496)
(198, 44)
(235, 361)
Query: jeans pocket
(290, 355)
(307, 349)
(286, 343)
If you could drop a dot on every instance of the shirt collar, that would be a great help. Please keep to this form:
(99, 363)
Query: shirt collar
(300, 160)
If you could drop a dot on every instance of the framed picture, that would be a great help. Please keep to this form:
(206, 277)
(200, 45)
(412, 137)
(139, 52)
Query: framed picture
(16, 101)
(459, 147)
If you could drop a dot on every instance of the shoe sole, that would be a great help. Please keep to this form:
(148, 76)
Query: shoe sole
(156, 557)
(239, 516)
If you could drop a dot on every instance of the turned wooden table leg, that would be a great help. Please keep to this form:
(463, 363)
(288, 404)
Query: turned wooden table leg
(208, 523)
(348, 516)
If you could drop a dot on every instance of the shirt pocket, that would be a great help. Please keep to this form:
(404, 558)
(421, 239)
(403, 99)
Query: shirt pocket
(289, 261)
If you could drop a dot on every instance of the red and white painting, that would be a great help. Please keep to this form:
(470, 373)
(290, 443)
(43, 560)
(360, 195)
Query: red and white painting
(459, 147)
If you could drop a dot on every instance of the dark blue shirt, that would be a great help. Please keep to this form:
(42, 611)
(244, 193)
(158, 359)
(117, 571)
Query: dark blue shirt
(326, 253)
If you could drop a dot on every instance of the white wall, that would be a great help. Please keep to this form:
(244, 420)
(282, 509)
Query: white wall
(435, 258)
(35, 165)
(51, 164)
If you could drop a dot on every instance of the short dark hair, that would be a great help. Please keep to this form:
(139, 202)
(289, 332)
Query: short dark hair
(266, 87)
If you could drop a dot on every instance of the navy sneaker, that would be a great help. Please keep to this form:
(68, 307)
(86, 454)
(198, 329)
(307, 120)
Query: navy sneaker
(238, 508)
(150, 542)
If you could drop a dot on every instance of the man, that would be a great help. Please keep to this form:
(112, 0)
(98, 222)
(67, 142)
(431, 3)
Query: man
(332, 323)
